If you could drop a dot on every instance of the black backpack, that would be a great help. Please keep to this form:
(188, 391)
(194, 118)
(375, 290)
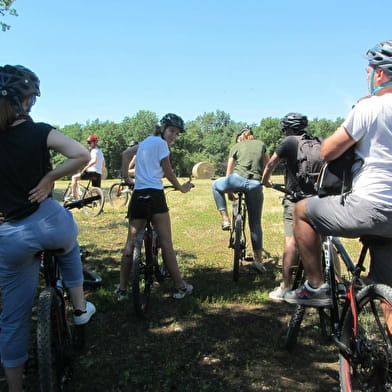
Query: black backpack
(309, 162)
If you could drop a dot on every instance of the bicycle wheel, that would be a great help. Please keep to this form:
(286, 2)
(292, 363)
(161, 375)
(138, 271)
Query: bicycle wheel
(96, 207)
(118, 195)
(142, 275)
(67, 194)
(237, 247)
(369, 367)
(53, 343)
(294, 326)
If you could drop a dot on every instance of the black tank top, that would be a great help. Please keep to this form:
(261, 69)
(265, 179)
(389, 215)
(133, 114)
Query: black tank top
(24, 160)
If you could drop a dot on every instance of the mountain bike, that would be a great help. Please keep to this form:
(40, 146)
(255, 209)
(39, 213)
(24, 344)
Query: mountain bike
(57, 336)
(359, 320)
(148, 264)
(94, 207)
(120, 193)
(237, 239)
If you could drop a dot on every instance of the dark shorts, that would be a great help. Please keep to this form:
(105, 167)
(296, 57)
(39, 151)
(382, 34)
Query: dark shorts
(146, 203)
(93, 176)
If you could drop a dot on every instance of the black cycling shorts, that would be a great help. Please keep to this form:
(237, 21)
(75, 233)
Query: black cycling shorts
(147, 202)
(93, 176)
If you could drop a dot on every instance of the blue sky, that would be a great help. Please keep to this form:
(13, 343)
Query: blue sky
(250, 58)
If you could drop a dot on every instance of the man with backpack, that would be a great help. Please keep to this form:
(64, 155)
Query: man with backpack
(367, 208)
(301, 154)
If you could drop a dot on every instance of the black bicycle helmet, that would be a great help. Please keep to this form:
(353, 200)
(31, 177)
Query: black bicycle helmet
(171, 119)
(18, 81)
(381, 57)
(295, 121)
(243, 129)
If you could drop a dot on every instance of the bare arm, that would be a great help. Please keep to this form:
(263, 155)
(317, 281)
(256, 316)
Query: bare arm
(131, 166)
(77, 156)
(230, 166)
(335, 145)
(269, 169)
(169, 174)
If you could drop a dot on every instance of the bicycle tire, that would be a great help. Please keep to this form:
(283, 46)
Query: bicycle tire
(369, 368)
(91, 279)
(142, 276)
(237, 247)
(117, 197)
(67, 194)
(96, 207)
(294, 327)
(53, 343)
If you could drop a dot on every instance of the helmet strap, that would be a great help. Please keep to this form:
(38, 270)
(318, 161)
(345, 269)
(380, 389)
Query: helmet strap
(372, 88)
(386, 84)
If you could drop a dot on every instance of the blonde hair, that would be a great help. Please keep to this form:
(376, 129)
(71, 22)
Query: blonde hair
(246, 135)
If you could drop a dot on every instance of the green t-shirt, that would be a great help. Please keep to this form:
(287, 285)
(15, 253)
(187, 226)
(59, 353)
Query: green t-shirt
(249, 157)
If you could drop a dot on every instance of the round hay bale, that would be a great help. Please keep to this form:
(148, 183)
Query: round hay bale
(104, 174)
(203, 170)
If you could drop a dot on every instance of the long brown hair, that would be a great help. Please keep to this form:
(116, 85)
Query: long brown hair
(7, 114)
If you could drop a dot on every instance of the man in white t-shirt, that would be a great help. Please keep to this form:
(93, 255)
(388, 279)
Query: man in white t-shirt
(367, 209)
(93, 170)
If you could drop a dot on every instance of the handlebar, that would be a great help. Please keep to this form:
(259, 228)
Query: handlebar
(82, 202)
(294, 196)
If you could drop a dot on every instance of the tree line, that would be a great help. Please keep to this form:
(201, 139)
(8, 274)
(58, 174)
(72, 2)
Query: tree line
(207, 138)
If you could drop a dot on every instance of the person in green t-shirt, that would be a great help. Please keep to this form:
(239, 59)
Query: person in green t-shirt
(245, 166)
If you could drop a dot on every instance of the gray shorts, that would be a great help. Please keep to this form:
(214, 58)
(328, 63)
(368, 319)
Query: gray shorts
(288, 208)
(355, 218)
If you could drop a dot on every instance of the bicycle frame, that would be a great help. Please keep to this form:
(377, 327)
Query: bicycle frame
(237, 240)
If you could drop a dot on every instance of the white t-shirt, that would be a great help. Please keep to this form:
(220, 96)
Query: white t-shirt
(96, 153)
(148, 167)
(370, 124)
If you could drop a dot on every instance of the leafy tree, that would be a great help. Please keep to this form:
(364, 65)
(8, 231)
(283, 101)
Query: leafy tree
(5, 8)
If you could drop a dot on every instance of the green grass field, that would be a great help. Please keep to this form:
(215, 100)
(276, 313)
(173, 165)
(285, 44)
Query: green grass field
(225, 337)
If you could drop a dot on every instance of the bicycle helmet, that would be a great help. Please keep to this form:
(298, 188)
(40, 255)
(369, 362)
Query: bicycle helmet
(171, 119)
(133, 143)
(243, 129)
(92, 138)
(18, 82)
(381, 57)
(295, 121)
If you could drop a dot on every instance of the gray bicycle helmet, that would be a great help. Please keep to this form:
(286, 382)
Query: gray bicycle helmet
(133, 143)
(171, 119)
(295, 121)
(381, 57)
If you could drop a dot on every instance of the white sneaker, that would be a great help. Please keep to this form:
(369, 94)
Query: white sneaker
(121, 294)
(277, 294)
(82, 317)
(259, 266)
(183, 291)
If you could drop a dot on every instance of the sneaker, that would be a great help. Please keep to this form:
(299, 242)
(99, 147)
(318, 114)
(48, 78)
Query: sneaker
(183, 291)
(121, 294)
(225, 225)
(277, 294)
(305, 295)
(82, 317)
(69, 198)
(259, 266)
